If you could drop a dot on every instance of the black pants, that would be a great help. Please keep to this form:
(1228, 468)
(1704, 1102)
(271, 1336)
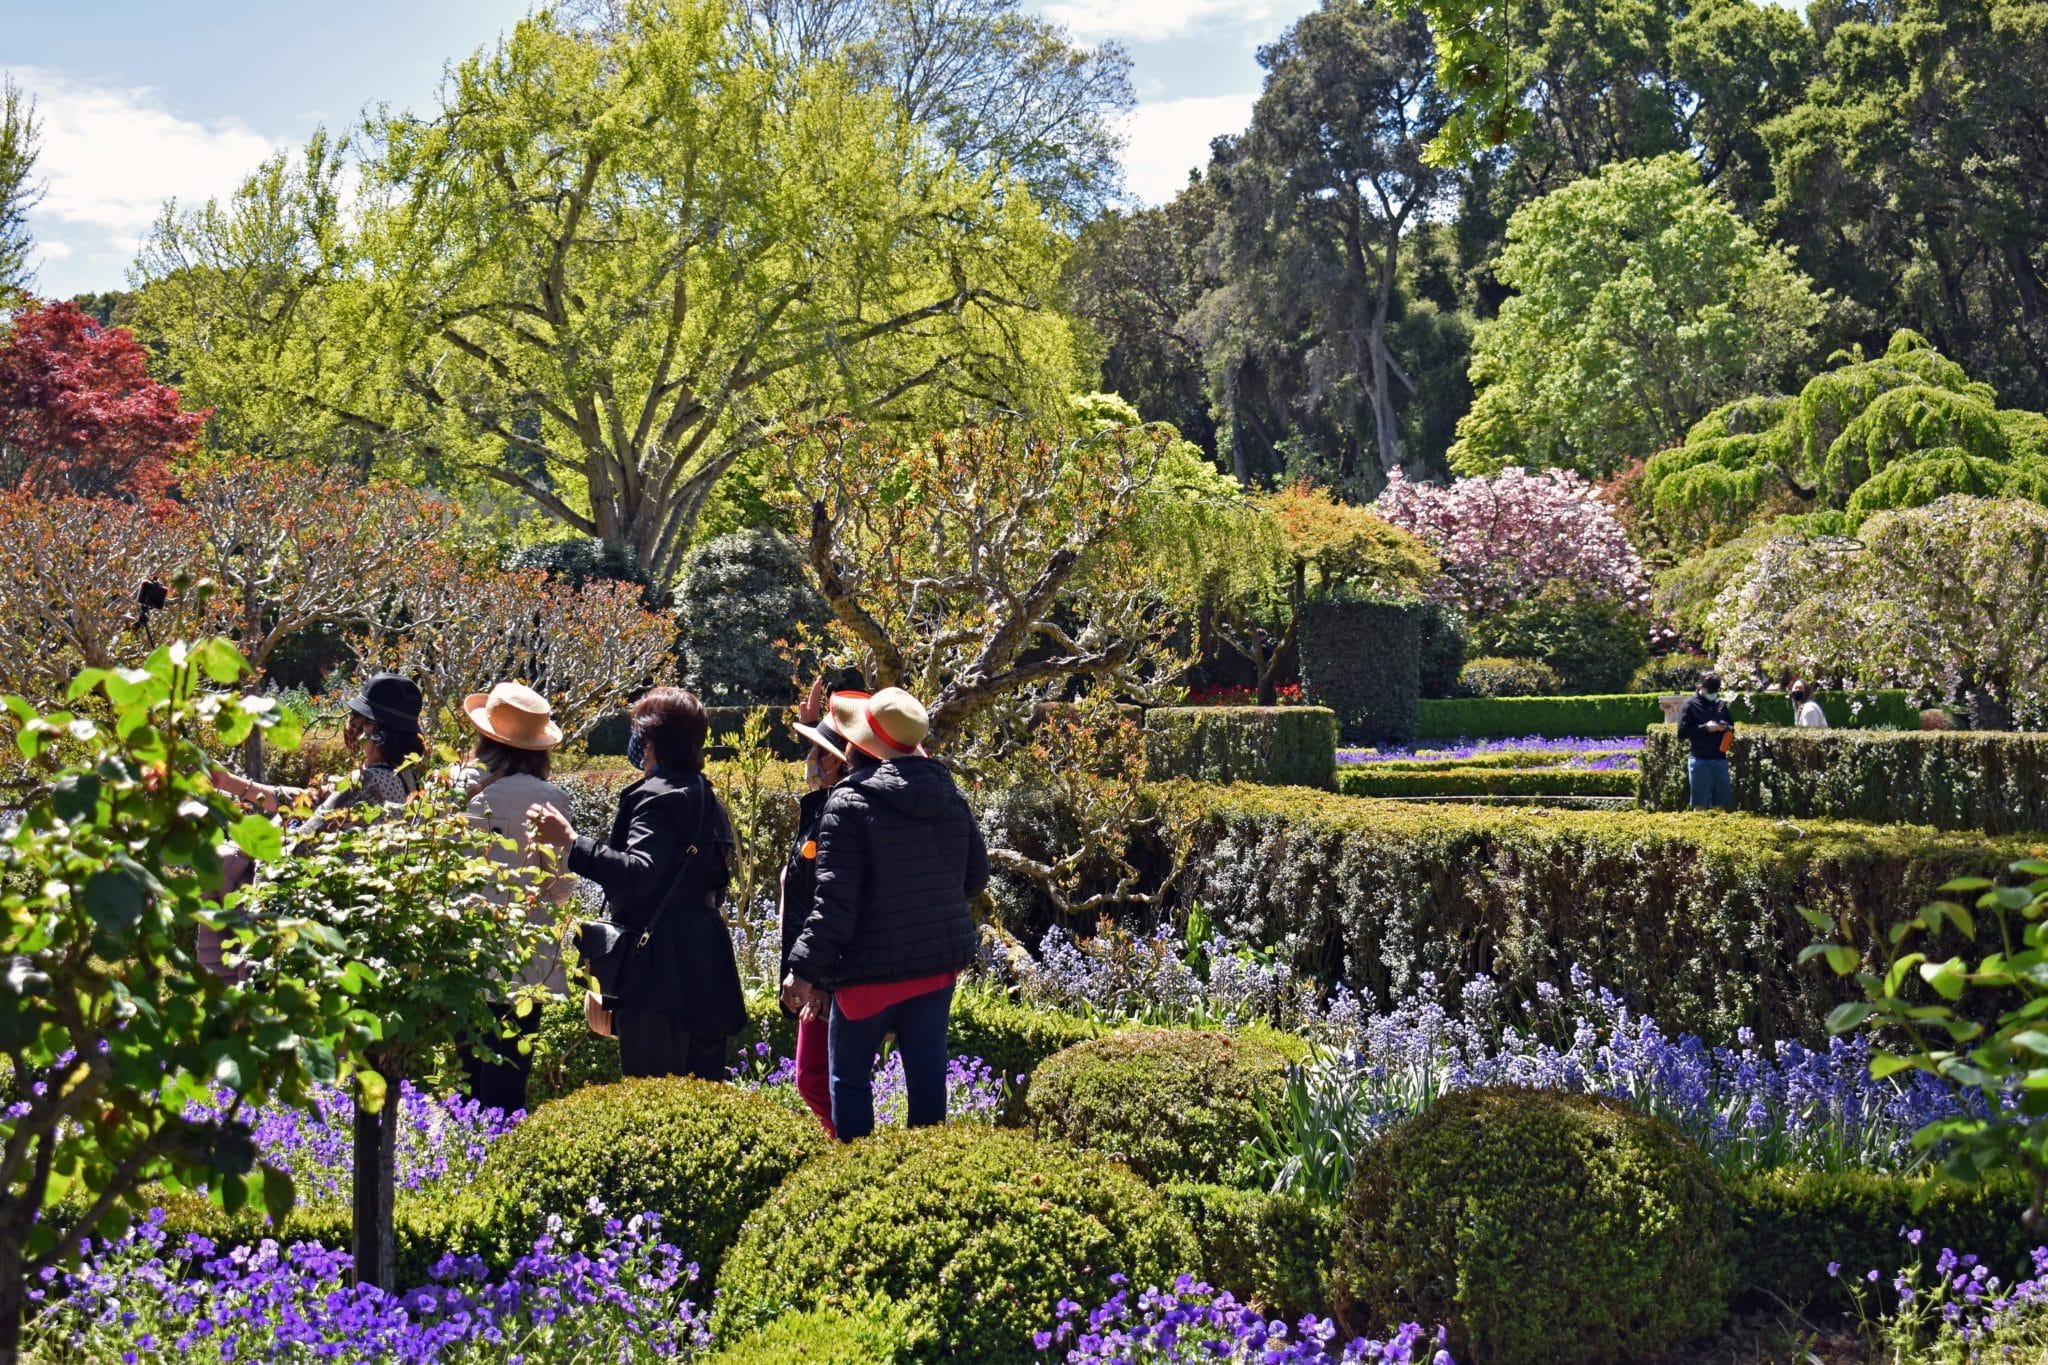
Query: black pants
(498, 1071)
(656, 1044)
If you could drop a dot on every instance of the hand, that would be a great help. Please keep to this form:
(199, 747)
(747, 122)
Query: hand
(803, 999)
(812, 709)
(1717, 726)
(552, 828)
(596, 1015)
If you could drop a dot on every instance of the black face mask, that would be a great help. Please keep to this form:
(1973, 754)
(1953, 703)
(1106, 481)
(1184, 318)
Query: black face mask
(636, 750)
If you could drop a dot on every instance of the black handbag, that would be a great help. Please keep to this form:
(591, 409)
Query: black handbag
(605, 946)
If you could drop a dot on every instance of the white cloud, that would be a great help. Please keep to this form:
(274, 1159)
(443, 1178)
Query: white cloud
(1150, 20)
(110, 158)
(1169, 138)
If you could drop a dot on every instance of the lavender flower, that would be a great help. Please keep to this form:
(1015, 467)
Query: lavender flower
(1192, 1322)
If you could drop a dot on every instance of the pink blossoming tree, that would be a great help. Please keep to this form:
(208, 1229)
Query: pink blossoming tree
(1505, 537)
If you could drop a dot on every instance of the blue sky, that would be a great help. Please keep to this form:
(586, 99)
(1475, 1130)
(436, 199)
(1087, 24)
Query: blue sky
(142, 102)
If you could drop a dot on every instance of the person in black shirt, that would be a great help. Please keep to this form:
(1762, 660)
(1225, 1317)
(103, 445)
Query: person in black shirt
(1706, 725)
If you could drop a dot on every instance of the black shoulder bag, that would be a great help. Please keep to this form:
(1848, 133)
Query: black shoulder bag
(604, 946)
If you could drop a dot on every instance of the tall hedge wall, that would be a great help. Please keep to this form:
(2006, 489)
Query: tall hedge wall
(1363, 660)
(609, 735)
(1633, 713)
(1997, 783)
(1693, 917)
(1288, 746)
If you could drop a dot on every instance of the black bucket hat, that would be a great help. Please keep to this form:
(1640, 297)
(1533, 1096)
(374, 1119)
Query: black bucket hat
(389, 699)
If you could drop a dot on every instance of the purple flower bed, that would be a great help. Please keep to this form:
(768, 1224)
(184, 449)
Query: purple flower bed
(974, 1091)
(1955, 1310)
(1600, 755)
(140, 1300)
(1192, 1322)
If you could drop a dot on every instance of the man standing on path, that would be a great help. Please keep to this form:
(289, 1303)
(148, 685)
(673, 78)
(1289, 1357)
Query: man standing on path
(1707, 726)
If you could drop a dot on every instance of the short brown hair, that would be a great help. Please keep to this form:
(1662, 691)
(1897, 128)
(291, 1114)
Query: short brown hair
(674, 724)
(503, 760)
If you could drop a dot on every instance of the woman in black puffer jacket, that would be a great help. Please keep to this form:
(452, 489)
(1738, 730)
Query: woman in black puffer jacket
(899, 856)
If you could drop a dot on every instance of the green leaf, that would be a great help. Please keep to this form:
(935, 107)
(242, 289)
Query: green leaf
(278, 1195)
(317, 1056)
(1825, 923)
(259, 837)
(1947, 978)
(2033, 1040)
(1962, 884)
(371, 1089)
(1885, 1064)
(76, 797)
(222, 662)
(113, 897)
(1849, 1014)
(1843, 960)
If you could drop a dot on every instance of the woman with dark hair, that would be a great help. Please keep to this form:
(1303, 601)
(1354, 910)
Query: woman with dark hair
(383, 728)
(507, 781)
(664, 871)
(824, 765)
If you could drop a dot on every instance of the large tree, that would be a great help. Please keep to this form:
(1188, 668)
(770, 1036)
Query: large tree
(1914, 179)
(20, 146)
(609, 264)
(1643, 302)
(1318, 197)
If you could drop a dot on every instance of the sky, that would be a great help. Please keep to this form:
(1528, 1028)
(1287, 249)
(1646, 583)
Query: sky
(179, 99)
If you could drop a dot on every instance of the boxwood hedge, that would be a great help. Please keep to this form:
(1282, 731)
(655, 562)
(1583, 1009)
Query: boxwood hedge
(1409, 780)
(1993, 782)
(1286, 746)
(1694, 918)
(1632, 713)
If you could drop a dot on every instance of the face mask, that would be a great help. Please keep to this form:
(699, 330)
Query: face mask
(1714, 695)
(636, 750)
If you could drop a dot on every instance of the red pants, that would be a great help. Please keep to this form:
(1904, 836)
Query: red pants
(814, 1069)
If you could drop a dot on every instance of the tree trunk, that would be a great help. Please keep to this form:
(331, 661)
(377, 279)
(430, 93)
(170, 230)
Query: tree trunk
(374, 1242)
(252, 636)
(1989, 711)
(12, 1297)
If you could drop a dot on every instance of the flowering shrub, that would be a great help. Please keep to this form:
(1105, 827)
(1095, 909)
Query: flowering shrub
(144, 1301)
(1160, 979)
(1503, 537)
(974, 1091)
(1750, 1107)
(1192, 1322)
(1619, 754)
(1956, 1311)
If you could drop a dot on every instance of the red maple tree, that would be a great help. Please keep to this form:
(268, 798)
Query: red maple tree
(78, 411)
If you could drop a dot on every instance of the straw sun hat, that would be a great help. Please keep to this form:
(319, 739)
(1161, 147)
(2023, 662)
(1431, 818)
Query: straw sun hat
(890, 724)
(513, 714)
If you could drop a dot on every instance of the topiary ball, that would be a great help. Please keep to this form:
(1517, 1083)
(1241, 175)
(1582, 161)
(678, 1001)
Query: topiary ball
(877, 1334)
(1537, 1226)
(701, 1154)
(1174, 1104)
(976, 1233)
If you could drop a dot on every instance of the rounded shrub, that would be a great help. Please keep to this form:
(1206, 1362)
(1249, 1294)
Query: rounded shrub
(1538, 1226)
(976, 1233)
(1496, 677)
(701, 1154)
(877, 1334)
(1669, 673)
(1173, 1104)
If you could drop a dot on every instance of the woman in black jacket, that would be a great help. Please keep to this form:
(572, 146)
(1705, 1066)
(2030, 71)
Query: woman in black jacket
(899, 857)
(664, 871)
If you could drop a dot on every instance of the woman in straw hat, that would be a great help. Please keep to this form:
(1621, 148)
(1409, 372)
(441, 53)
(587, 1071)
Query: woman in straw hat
(824, 765)
(899, 857)
(507, 777)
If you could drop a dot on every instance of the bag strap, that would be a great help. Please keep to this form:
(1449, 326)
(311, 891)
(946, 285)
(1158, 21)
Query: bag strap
(689, 851)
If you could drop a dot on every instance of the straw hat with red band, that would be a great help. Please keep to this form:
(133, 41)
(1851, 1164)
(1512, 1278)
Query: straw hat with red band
(513, 714)
(889, 724)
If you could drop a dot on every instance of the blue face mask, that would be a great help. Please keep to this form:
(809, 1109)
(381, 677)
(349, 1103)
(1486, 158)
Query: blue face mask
(636, 750)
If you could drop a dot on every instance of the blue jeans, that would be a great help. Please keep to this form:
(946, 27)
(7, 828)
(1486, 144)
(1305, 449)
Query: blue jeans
(919, 1024)
(1712, 786)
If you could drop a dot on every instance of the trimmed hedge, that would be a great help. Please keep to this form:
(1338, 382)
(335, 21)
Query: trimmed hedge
(1388, 779)
(1537, 1226)
(1363, 660)
(701, 1154)
(1789, 1225)
(1634, 713)
(1282, 746)
(976, 1233)
(1997, 783)
(1489, 676)
(1273, 1251)
(1692, 918)
(1174, 1104)
(880, 1334)
(1013, 1038)
(608, 737)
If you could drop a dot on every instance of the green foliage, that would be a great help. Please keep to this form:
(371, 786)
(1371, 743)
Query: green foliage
(566, 1055)
(1489, 676)
(581, 560)
(1528, 1219)
(745, 599)
(976, 1232)
(1789, 1225)
(1451, 779)
(879, 1333)
(1901, 430)
(1669, 673)
(1949, 779)
(1286, 746)
(1363, 660)
(1593, 645)
(1172, 1104)
(1012, 1037)
(1272, 1250)
(1642, 301)
(1998, 1068)
(108, 1024)
(1445, 647)
(702, 1154)
(1674, 912)
(1635, 713)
